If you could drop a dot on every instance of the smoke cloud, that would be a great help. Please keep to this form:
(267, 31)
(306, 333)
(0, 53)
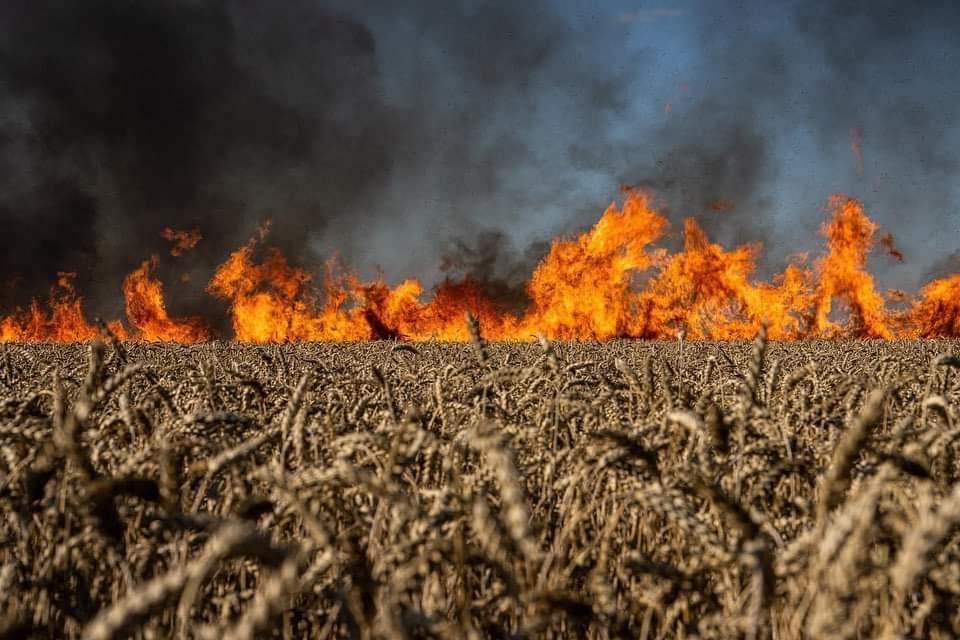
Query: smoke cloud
(451, 138)
(119, 119)
(777, 91)
(123, 118)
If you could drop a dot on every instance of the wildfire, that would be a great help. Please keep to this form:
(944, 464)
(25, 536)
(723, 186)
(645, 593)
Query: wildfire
(937, 312)
(63, 321)
(147, 311)
(582, 288)
(182, 240)
(608, 281)
(273, 301)
(843, 274)
(706, 291)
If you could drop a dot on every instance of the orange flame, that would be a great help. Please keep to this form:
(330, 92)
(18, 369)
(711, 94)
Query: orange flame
(706, 292)
(63, 321)
(147, 311)
(842, 273)
(269, 302)
(273, 301)
(582, 288)
(182, 240)
(937, 311)
(608, 281)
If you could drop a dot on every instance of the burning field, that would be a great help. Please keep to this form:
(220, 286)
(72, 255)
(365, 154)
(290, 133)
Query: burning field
(480, 490)
(356, 459)
(610, 281)
(313, 325)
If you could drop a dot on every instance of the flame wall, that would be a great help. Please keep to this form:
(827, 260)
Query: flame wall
(451, 140)
(584, 288)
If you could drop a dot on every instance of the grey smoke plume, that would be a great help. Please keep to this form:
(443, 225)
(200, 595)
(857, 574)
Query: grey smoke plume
(440, 137)
(769, 78)
(120, 118)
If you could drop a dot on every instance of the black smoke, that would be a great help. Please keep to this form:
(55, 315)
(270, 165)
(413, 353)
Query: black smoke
(491, 259)
(423, 134)
(120, 118)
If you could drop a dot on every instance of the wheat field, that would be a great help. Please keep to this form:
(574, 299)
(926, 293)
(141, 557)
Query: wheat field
(480, 490)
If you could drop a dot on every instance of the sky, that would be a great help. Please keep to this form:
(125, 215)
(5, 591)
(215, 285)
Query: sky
(456, 137)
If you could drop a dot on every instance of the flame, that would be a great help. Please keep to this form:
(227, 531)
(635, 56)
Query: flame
(182, 240)
(937, 311)
(707, 292)
(608, 281)
(273, 301)
(842, 273)
(62, 321)
(269, 301)
(147, 311)
(582, 288)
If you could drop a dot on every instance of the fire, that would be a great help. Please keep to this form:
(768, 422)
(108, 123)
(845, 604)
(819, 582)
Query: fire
(269, 301)
(147, 311)
(937, 311)
(63, 321)
(608, 281)
(582, 288)
(273, 301)
(842, 273)
(398, 311)
(62, 318)
(707, 292)
(182, 240)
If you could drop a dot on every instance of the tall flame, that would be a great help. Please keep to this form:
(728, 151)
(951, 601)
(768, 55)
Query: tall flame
(842, 273)
(269, 301)
(937, 311)
(147, 311)
(582, 288)
(608, 281)
(706, 292)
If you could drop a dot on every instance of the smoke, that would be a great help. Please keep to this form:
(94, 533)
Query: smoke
(715, 172)
(123, 118)
(494, 262)
(887, 70)
(452, 137)
(119, 119)
(762, 135)
(944, 266)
